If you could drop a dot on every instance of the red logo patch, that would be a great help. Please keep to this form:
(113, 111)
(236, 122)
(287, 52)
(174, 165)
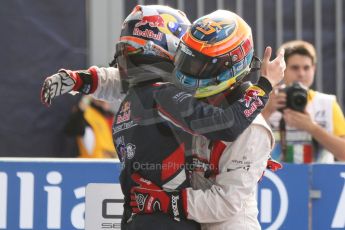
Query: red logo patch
(152, 20)
(125, 113)
(252, 102)
(249, 96)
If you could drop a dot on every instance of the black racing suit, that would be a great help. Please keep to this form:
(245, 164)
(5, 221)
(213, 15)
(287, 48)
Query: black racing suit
(153, 133)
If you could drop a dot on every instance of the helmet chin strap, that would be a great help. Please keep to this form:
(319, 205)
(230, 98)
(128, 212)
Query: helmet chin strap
(255, 64)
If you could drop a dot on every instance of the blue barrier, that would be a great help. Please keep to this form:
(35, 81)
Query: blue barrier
(50, 194)
(283, 198)
(329, 210)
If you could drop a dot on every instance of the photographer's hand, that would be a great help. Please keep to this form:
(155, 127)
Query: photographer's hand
(298, 120)
(329, 141)
(276, 101)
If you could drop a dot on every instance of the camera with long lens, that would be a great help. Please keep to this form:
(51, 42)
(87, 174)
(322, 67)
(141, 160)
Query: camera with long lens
(296, 97)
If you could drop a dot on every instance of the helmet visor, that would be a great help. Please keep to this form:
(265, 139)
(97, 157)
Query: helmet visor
(198, 65)
(132, 62)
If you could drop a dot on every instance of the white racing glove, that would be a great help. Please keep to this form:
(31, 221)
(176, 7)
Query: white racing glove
(83, 81)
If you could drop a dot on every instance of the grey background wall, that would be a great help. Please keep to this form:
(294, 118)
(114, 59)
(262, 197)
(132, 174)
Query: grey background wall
(39, 37)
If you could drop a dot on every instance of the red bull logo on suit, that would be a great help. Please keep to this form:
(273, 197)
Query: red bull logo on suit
(252, 101)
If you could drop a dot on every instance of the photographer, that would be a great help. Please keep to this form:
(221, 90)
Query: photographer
(308, 128)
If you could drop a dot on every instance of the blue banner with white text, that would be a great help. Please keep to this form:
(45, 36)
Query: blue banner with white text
(50, 194)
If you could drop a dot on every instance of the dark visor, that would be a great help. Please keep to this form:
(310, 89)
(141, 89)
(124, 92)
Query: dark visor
(138, 55)
(198, 65)
(130, 61)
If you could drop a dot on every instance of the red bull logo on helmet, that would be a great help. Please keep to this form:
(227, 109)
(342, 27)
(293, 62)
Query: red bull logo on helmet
(148, 34)
(152, 21)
